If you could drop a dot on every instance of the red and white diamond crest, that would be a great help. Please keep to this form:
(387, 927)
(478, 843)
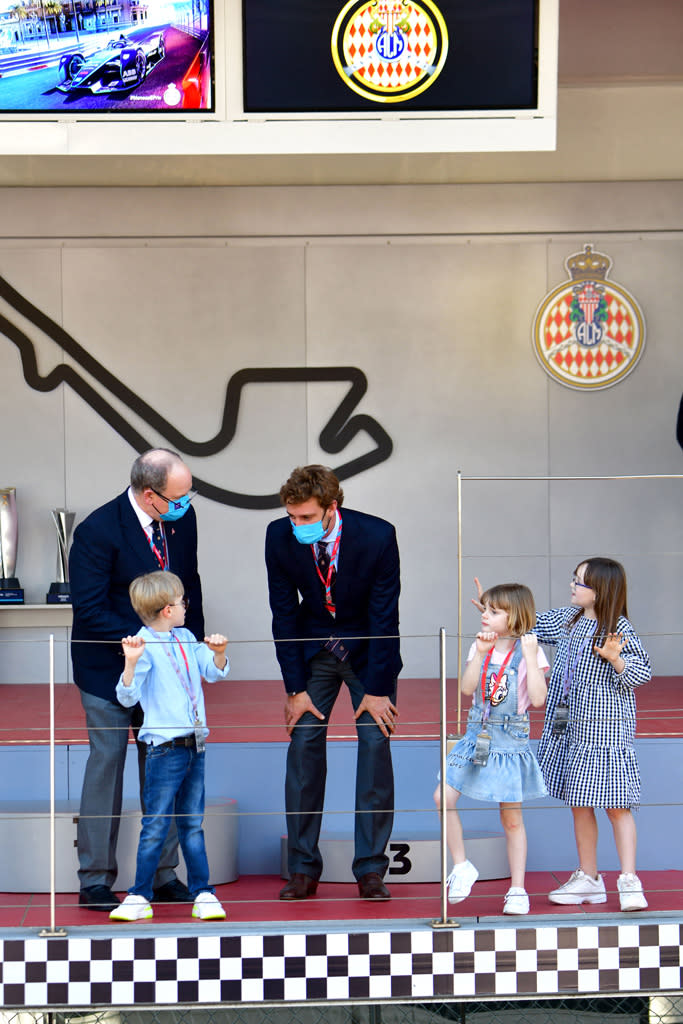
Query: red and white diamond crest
(588, 333)
(389, 50)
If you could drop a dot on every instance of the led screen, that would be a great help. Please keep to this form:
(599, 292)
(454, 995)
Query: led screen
(99, 56)
(389, 55)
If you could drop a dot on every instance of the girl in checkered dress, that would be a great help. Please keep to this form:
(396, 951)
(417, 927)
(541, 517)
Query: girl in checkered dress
(586, 752)
(505, 673)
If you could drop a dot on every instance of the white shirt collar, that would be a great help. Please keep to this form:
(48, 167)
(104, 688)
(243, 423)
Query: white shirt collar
(144, 519)
(330, 537)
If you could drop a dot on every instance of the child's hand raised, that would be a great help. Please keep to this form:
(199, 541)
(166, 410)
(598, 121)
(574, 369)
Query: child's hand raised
(485, 642)
(476, 601)
(133, 646)
(612, 647)
(529, 645)
(216, 642)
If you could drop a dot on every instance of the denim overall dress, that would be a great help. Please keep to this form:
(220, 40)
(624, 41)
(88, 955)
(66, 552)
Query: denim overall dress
(511, 774)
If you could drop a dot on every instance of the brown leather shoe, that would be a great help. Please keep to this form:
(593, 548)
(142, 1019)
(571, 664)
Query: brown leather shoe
(371, 887)
(299, 887)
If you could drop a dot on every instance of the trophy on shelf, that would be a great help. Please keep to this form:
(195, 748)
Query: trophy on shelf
(10, 590)
(60, 590)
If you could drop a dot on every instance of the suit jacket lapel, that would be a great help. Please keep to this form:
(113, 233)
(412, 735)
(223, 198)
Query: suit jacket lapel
(347, 555)
(134, 533)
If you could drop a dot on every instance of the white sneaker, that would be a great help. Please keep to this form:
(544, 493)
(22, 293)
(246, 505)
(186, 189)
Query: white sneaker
(631, 896)
(516, 901)
(133, 908)
(207, 907)
(580, 888)
(460, 881)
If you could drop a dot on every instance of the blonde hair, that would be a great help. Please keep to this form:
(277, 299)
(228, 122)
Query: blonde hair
(515, 599)
(149, 594)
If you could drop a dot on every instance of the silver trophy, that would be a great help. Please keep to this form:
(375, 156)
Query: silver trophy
(60, 590)
(10, 590)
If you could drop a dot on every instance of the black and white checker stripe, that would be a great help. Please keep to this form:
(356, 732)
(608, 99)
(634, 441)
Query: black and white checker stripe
(419, 964)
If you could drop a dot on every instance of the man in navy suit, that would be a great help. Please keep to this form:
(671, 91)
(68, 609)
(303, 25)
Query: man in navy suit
(150, 526)
(333, 582)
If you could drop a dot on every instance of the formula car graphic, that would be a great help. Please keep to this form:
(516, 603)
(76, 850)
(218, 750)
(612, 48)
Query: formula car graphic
(123, 64)
(342, 427)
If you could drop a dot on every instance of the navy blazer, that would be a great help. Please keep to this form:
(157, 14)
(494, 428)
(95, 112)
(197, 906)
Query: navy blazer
(109, 550)
(366, 595)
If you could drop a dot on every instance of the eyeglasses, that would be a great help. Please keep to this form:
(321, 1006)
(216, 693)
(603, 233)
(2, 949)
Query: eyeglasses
(180, 503)
(576, 582)
(184, 601)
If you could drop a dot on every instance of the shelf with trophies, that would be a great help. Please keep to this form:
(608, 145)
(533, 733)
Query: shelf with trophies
(10, 590)
(14, 611)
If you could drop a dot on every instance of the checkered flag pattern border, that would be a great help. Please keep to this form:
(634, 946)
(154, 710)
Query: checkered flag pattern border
(163, 970)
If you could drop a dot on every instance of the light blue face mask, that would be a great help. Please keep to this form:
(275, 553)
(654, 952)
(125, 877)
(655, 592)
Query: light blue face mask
(309, 533)
(176, 509)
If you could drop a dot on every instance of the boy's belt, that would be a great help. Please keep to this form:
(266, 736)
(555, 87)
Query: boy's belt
(179, 741)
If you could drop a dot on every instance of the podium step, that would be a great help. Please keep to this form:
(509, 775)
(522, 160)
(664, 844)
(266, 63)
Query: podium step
(414, 858)
(25, 849)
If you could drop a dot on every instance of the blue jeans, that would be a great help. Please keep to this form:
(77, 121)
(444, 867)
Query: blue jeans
(174, 787)
(100, 814)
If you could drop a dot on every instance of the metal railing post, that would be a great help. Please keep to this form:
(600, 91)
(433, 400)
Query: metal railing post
(52, 930)
(459, 645)
(445, 921)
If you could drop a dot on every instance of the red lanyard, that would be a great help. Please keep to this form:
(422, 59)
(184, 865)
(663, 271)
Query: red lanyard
(497, 679)
(161, 556)
(327, 583)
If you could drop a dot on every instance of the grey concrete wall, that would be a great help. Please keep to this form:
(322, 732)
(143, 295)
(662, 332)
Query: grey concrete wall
(431, 292)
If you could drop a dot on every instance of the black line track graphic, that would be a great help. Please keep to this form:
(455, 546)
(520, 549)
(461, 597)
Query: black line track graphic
(337, 433)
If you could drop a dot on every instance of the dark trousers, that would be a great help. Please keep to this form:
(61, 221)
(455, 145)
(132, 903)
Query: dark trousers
(307, 772)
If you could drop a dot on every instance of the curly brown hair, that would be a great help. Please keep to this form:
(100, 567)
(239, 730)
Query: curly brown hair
(314, 481)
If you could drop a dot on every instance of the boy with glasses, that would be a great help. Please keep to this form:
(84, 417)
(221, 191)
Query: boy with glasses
(164, 667)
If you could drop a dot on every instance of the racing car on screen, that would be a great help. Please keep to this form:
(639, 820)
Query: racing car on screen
(123, 64)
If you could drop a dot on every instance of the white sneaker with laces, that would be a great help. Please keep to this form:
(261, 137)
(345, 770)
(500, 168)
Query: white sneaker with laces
(516, 901)
(207, 907)
(133, 908)
(580, 888)
(631, 896)
(460, 881)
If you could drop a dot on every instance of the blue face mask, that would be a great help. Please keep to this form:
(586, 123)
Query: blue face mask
(176, 509)
(309, 533)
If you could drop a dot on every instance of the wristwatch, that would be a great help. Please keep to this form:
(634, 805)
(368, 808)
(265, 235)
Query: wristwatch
(293, 693)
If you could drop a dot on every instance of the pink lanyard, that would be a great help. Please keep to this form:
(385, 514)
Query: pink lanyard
(187, 686)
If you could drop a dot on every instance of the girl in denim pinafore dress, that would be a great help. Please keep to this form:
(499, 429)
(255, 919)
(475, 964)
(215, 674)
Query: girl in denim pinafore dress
(493, 762)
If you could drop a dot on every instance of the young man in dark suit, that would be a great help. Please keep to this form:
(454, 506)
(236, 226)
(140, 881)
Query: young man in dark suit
(150, 526)
(333, 581)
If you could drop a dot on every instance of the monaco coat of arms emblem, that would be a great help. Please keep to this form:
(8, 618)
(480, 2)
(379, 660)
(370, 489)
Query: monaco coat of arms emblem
(589, 332)
(389, 51)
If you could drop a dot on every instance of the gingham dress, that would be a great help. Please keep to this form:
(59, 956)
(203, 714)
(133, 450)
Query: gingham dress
(593, 763)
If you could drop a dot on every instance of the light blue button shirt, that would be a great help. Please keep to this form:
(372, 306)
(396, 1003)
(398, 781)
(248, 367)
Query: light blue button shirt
(159, 687)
